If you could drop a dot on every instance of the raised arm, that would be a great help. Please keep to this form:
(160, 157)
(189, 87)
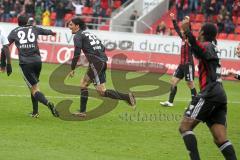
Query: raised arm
(198, 49)
(74, 4)
(175, 25)
(42, 31)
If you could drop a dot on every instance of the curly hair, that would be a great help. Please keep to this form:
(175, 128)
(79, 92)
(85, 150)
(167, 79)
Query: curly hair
(209, 32)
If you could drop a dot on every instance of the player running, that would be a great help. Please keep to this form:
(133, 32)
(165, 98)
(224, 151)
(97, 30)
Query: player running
(25, 37)
(185, 68)
(94, 51)
(210, 104)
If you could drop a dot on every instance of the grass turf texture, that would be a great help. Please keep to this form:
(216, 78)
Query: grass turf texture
(110, 137)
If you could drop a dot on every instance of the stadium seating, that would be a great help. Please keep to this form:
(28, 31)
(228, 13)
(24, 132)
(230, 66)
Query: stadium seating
(53, 15)
(234, 18)
(222, 36)
(196, 21)
(231, 36)
(199, 18)
(237, 30)
(117, 4)
(68, 16)
(196, 26)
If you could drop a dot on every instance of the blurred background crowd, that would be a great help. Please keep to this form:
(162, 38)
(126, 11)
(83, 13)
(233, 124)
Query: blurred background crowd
(57, 12)
(224, 13)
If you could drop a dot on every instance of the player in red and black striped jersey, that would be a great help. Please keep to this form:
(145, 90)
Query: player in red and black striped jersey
(210, 104)
(185, 68)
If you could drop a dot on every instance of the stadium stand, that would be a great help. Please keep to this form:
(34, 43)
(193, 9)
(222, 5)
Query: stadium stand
(198, 17)
(97, 14)
(98, 9)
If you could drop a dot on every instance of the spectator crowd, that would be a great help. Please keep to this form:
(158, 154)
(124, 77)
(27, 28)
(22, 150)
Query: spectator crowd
(224, 13)
(57, 12)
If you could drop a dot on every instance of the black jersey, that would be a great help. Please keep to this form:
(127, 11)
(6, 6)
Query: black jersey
(25, 38)
(91, 46)
(209, 69)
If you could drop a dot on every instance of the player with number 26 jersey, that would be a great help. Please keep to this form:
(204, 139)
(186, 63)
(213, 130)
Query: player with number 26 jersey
(25, 38)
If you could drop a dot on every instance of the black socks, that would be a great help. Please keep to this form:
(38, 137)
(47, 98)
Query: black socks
(172, 94)
(83, 100)
(39, 96)
(193, 93)
(115, 95)
(191, 144)
(228, 151)
(34, 104)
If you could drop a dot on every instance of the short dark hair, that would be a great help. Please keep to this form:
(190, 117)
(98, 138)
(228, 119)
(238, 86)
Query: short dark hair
(22, 20)
(80, 22)
(209, 32)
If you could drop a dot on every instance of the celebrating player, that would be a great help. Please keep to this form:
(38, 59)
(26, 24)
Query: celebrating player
(25, 37)
(96, 74)
(185, 68)
(210, 104)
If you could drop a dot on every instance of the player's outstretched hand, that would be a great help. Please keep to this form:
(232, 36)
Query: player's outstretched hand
(9, 69)
(172, 16)
(71, 74)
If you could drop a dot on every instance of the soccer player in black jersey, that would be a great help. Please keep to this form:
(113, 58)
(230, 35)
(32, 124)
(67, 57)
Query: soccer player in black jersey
(94, 51)
(25, 38)
(210, 104)
(185, 68)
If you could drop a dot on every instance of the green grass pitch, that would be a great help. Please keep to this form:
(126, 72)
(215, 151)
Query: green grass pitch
(109, 137)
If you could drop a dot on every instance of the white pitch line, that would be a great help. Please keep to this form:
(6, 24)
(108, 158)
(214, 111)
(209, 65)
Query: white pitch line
(77, 97)
(12, 85)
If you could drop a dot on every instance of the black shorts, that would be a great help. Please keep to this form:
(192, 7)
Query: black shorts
(185, 70)
(31, 73)
(207, 111)
(97, 72)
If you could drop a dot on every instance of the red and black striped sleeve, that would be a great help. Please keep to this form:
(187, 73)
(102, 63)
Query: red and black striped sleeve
(198, 49)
